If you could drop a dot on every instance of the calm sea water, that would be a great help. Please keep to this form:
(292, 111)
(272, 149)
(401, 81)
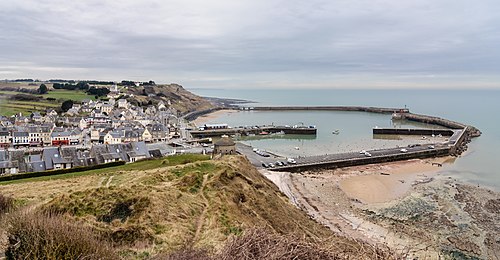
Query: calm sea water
(474, 107)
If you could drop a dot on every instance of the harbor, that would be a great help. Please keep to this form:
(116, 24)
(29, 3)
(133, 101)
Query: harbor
(457, 136)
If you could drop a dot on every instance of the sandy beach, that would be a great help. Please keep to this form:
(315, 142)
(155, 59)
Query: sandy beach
(378, 204)
(387, 182)
(217, 114)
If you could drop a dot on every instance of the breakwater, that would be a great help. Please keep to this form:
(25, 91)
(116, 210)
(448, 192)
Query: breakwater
(412, 131)
(381, 110)
(254, 131)
(433, 120)
(352, 159)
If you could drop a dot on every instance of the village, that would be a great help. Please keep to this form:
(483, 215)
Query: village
(92, 132)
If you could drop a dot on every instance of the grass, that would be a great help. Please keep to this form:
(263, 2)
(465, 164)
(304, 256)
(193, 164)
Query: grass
(11, 107)
(45, 236)
(75, 95)
(5, 92)
(141, 165)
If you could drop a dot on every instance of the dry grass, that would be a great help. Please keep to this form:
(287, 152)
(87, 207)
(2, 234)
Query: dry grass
(6, 204)
(258, 243)
(197, 205)
(44, 236)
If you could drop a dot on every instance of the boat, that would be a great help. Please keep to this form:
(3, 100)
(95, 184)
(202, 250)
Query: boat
(336, 132)
(263, 133)
(297, 148)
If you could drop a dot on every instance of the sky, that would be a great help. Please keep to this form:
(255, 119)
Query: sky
(256, 43)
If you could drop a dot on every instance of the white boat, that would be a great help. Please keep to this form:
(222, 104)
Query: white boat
(297, 148)
(336, 132)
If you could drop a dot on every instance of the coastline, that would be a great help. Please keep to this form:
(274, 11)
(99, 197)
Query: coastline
(213, 115)
(361, 203)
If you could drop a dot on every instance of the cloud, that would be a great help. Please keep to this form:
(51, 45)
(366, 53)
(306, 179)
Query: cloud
(244, 43)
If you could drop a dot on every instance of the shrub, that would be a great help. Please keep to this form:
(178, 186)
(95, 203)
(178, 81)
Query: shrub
(45, 236)
(6, 204)
(261, 244)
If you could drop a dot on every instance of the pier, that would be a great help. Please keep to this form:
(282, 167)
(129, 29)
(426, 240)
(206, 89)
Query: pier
(253, 131)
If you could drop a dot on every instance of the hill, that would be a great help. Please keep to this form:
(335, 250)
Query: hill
(197, 205)
(180, 99)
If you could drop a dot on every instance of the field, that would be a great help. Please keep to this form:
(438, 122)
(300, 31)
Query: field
(10, 107)
(75, 95)
(141, 165)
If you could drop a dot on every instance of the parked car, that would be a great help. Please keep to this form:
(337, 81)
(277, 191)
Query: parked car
(403, 150)
(431, 147)
(265, 165)
(291, 161)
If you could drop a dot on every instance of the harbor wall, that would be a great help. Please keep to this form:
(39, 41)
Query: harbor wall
(412, 131)
(440, 152)
(256, 131)
(334, 108)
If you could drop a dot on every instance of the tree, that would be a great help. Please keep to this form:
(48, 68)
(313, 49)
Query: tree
(66, 105)
(43, 89)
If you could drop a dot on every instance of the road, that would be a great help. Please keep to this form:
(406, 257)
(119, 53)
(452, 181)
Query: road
(257, 160)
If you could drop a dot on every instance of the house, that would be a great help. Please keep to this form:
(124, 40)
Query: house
(8, 167)
(159, 132)
(83, 124)
(45, 131)
(20, 138)
(60, 138)
(146, 135)
(36, 163)
(35, 136)
(161, 106)
(52, 112)
(224, 146)
(54, 160)
(131, 136)
(36, 117)
(5, 139)
(75, 136)
(107, 108)
(113, 137)
(122, 103)
(138, 152)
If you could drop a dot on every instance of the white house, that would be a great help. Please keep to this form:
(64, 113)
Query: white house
(113, 137)
(122, 103)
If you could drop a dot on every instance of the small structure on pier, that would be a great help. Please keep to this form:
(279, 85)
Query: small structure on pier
(224, 146)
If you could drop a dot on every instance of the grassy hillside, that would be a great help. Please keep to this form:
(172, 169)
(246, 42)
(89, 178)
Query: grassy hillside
(181, 99)
(197, 205)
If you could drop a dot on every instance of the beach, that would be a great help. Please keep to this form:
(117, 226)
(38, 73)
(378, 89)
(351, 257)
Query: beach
(378, 204)
(219, 114)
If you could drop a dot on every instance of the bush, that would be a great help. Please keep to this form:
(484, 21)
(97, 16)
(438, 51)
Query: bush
(261, 244)
(6, 204)
(45, 236)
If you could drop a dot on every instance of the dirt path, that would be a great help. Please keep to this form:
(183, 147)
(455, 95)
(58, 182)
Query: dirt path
(201, 219)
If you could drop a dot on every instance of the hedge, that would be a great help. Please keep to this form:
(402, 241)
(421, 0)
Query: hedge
(11, 177)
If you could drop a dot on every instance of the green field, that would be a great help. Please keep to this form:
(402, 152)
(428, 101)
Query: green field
(11, 107)
(75, 95)
(137, 166)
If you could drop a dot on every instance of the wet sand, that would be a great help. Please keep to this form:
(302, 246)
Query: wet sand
(389, 181)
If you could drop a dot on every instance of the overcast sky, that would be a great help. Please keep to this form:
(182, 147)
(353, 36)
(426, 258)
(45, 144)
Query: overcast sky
(256, 43)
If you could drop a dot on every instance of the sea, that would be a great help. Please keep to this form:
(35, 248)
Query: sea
(479, 108)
